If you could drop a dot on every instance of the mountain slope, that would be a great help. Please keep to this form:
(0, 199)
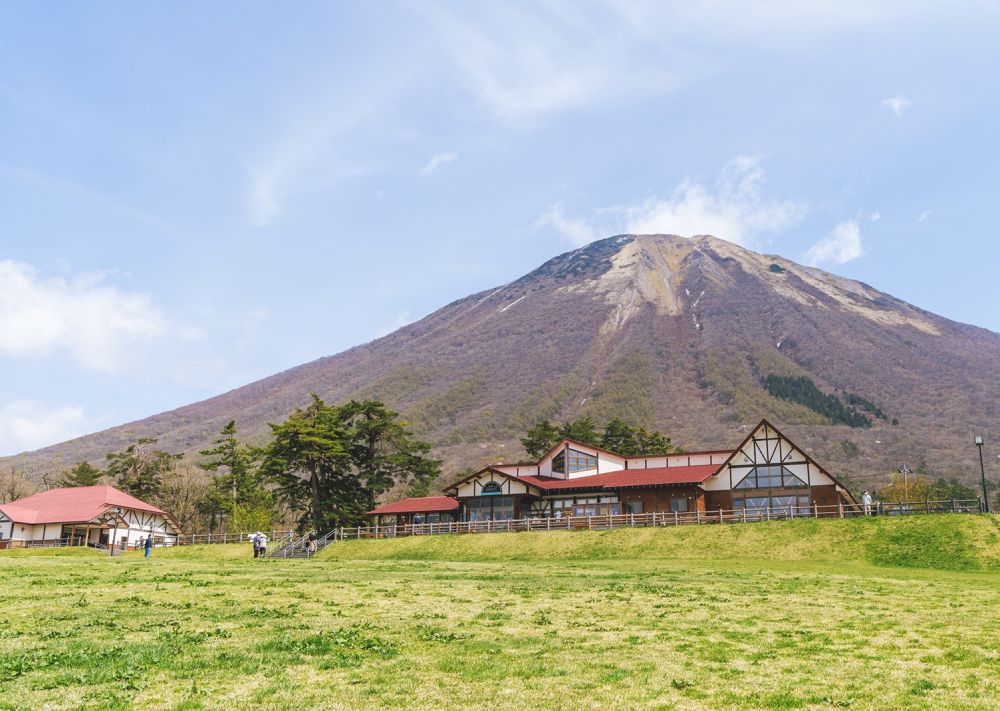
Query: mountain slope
(673, 333)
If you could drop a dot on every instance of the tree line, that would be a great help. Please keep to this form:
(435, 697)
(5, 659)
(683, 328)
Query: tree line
(323, 467)
(617, 436)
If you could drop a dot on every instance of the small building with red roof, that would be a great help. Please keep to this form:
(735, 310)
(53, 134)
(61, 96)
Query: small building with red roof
(85, 515)
(765, 471)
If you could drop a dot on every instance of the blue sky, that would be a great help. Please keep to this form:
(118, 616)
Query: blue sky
(197, 195)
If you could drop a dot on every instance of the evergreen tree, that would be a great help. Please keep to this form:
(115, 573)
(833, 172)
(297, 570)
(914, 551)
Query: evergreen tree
(332, 462)
(583, 430)
(306, 459)
(238, 481)
(942, 490)
(653, 443)
(620, 437)
(83, 474)
(382, 450)
(139, 468)
(541, 438)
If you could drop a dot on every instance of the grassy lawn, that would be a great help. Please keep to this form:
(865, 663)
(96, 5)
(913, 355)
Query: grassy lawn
(562, 625)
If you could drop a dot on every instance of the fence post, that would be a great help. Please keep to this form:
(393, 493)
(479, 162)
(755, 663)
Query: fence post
(676, 519)
(840, 508)
(815, 510)
(721, 520)
(697, 515)
(527, 524)
(744, 514)
(927, 506)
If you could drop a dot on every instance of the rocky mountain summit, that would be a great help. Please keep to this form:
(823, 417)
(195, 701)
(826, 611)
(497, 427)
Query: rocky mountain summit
(698, 338)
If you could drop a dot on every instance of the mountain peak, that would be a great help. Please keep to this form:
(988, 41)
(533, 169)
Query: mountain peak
(672, 333)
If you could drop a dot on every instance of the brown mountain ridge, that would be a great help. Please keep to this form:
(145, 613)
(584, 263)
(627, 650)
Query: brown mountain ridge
(667, 332)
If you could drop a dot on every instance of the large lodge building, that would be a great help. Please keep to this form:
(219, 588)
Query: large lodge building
(765, 472)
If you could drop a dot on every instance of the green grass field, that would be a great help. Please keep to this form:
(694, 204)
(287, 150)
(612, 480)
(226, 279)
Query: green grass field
(805, 614)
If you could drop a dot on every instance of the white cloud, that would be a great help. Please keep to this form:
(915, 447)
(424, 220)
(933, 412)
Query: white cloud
(842, 245)
(734, 209)
(897, 104)
(923, 216)
(436, 161)
(28, 424)
(94, 322)
(875, 216)
(576, 231)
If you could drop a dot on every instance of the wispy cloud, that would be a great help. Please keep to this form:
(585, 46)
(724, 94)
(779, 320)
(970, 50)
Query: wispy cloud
(875, 216)
(436, 161)
(30, 424)
(897, 104)
(521, 62)
(923, 216)
(95, 322)
(576, 231)
(734, 208)
(842, 245)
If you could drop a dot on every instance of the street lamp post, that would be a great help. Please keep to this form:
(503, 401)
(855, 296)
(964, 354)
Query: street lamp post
(982, 470)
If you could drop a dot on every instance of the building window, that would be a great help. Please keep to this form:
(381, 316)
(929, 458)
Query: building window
(679, 505)
(770, 477)
(580, 461)
(559, 463)
(633, 507)
(490, 508)
(774, 502)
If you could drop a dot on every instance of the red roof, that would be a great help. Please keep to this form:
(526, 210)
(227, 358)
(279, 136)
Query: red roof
(72, 505)
(422, 504)
(654, 476)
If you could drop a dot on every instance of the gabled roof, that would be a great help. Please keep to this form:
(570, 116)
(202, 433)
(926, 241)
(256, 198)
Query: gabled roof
(810, 460)
(566, 440)
(421, 504)
(76, 504)
(654, 476)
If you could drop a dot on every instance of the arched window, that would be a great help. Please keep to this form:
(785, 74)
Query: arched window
(492, 488)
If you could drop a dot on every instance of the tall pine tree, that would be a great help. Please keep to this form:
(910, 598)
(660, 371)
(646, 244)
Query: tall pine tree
(83, 474)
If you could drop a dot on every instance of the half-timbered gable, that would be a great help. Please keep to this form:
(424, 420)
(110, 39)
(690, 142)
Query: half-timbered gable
(769, 470)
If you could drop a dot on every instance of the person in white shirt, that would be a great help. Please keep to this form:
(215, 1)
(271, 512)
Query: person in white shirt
(262, 544)
(866, 500)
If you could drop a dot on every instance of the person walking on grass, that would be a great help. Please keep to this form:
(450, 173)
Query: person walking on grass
(255, 539)
(261, 545)
(148, 545)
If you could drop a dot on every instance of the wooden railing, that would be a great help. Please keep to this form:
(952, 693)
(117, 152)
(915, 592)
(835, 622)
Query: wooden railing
(275, 537)
(669, 518)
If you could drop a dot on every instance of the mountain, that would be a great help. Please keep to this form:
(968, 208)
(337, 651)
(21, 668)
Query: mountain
(698, 338)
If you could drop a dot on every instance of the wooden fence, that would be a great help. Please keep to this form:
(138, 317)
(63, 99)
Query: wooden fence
(669, 518)
(206, 538)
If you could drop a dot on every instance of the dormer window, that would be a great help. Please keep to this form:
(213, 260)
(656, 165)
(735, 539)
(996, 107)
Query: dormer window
(559, 462)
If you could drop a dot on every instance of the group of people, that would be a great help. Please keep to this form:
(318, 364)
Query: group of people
(259, 541)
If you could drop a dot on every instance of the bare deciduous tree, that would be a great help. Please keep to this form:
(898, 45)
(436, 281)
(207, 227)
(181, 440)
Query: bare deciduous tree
(15, 485)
